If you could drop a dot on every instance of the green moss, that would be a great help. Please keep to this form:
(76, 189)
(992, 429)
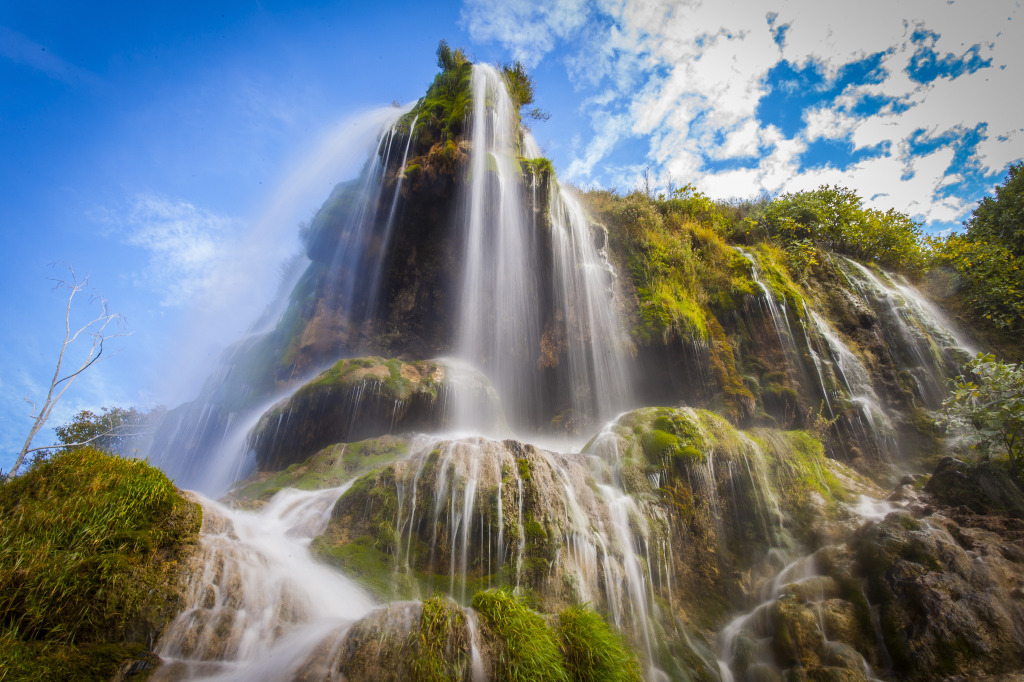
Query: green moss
(593, 651)
(363, 561)
(88, 551)
(328, 468)
(524, 468)
(526, 650)
(539, 168)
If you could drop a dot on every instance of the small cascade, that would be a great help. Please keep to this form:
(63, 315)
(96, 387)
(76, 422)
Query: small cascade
(851, 382)
(585, 295)
(361, 245)
(777, 311)
(747, 646)
(258, 603)
(919, 338)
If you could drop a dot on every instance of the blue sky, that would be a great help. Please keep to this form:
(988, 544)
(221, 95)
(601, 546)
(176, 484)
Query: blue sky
(170, 150)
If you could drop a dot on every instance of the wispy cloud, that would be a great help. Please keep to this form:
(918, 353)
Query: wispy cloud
(18, 48)
(187, 246)
(694, 80)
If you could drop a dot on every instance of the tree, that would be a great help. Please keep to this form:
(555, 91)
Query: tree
(104, 326)
(112, 430)
(988, 399)
(1001, 219)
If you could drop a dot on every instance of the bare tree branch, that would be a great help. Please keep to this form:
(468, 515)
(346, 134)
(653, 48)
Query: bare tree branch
(95, 329)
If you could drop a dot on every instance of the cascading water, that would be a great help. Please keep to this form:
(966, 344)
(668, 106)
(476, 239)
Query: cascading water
(919, 337)
(499, 320)
(504, 297)
(647, 513)
(258, 603)
(584, 288)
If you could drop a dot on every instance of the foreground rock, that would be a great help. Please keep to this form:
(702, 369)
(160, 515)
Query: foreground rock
(92, 550)
(928, 592)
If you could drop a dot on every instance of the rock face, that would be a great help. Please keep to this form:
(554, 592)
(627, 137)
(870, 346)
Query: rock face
(653, 523)
(927, 592)
(366, 397)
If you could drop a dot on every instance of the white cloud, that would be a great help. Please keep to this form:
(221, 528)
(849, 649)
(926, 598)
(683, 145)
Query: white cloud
(186, 244)
(529, 29)
(688, 77)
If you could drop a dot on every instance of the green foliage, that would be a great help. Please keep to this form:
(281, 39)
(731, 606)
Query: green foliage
(87, 547)
(539, 168)
(442, 113)
(676, 257)
(527, 650)
(112, 430)
(835, 218)
(449, 59)
(440, 643)
(991, 275)
(520, 84)
(1000, 219)
(593, 651)
(988, 399)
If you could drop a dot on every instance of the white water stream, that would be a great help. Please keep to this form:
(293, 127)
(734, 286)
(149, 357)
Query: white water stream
(259, 604)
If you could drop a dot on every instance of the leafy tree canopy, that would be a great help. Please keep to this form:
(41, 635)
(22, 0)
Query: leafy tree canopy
(112, 430)
(835, 218)
(1001, 218)
(988, 400)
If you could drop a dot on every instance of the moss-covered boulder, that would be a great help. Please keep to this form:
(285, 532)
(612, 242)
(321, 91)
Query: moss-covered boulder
(460, 516)
(330, 467)
(91, 552)
(362, 398)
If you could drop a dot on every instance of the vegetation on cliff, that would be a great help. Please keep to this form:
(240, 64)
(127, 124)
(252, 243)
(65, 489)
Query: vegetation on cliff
(90, 546)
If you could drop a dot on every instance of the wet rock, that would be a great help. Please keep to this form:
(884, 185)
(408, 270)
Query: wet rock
(982, 488)
(367, 397)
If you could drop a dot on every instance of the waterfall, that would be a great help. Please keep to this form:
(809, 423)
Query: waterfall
(499, 320)
(918, 336)
(519, 271)
(584, 290)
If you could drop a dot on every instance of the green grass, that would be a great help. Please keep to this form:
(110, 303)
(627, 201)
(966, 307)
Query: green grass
(441, 644)
(88, 548)
(527, 649)
(579, 646)
(592, 650)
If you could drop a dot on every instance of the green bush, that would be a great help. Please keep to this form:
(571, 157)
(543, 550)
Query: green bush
(835, 218)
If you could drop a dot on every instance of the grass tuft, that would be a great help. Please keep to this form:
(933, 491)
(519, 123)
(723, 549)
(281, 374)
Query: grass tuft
(593, 651)
(527, 650)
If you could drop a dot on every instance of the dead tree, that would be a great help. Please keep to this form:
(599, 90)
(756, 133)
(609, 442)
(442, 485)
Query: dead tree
(105, 326)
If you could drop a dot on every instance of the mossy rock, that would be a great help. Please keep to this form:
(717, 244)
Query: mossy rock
(361, 398)
(984, 488)
(330, 467)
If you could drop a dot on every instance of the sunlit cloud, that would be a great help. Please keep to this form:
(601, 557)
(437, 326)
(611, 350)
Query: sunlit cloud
(732, 95)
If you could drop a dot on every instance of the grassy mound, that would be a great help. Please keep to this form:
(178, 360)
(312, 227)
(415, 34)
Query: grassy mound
(89, 544)
(579, 647)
